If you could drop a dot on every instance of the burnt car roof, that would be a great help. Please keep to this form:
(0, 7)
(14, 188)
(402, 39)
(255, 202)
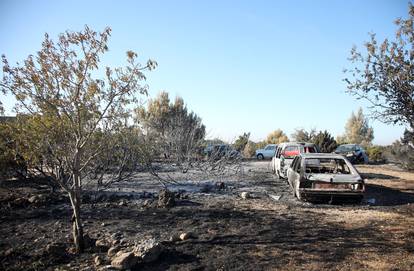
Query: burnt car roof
(354, 171)
(322, 155)
(306, 144)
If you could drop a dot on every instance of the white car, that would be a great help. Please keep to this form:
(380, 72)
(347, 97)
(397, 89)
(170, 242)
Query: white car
(266, 153)
(285, 153)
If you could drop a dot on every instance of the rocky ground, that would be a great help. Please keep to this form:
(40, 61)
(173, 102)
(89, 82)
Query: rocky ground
(248, 222)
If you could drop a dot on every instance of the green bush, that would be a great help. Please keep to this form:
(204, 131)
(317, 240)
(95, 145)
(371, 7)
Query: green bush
(325, 141)
(376, 154)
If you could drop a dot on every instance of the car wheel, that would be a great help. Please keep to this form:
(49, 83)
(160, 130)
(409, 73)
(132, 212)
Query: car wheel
(260, 157)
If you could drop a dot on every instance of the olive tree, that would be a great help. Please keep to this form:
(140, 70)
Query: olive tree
(383, 74)
(75, 106)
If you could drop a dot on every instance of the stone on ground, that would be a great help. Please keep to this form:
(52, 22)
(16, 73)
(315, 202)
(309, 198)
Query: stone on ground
(149, 250)
(188, 235)
(166, 198)
(125, 260)
(245, 195)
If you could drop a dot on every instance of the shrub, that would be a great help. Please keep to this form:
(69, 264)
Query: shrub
(249, 149)
(403, 154)
(376, 154)
(241, 142)
(276, 137)
(12, 163)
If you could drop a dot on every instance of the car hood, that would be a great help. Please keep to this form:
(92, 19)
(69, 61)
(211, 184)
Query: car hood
(339, 178)
(344, 152)
(260, 150)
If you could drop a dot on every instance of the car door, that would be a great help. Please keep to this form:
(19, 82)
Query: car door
(269, 151)
(276, 159)
(291, 171)
(295, 172)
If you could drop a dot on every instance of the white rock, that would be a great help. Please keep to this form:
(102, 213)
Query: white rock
(187, 235)
(245, 195)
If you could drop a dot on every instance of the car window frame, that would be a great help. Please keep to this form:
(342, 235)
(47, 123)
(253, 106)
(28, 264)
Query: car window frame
(292, 166)
(277, 153)
(297, 167)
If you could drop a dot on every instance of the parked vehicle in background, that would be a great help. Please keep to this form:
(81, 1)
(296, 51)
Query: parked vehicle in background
(267, 153)
(353, 152)
(208, 150)
(285, 153)
(324, 175)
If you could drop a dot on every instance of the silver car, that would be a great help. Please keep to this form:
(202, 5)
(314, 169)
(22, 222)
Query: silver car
(324, 174)
(267, 152)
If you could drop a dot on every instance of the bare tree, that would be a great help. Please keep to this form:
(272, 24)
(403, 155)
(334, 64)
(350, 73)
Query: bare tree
(74, 115)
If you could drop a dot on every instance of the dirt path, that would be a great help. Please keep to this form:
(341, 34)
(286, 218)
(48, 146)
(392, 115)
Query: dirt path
(258, 233)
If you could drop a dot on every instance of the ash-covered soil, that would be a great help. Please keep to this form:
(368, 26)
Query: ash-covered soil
(229, 232)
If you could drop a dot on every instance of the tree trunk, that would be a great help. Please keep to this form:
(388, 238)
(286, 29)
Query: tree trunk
(77, 229)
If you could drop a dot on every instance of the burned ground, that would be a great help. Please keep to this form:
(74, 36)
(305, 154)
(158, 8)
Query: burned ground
(257, 233)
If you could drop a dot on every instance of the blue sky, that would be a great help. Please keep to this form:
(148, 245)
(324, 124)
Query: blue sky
(242, 66)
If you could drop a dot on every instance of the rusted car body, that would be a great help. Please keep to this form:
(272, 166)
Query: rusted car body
(315, 175)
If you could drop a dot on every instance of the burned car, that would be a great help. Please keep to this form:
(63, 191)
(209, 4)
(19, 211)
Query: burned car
(285, 153)
(353, 152)
(316, 175)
